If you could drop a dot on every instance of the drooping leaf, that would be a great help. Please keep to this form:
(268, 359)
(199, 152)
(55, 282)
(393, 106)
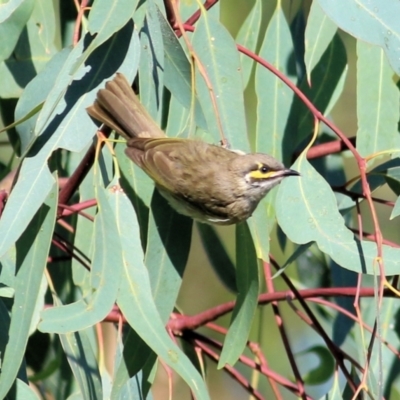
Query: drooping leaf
(247, 37)
(178, 73)
(63, 123)
(319, 33)
(105, 276)
(373, 21)
(13, 16)
(307, 211)
(136, 300)
(378, 104)
(31, 257)
(274, 100)
(247, 279)
(216, 51)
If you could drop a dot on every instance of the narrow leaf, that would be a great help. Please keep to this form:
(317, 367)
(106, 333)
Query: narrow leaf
(319, 33)
(105, 276)
(247, 37)
(217, 53)
(32, 250)
(136, 301)
(378, 103)
(247, 279)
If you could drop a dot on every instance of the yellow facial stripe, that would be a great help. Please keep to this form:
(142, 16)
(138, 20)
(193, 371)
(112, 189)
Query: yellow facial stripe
(261, 175)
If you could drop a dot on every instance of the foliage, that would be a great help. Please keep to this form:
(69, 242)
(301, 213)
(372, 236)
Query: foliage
(85, 241)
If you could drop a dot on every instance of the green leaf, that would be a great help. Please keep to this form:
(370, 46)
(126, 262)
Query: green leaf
(274, 100)
(32, 188)
(178, 74)
(151, 65)
(167, 253)
(382, 359)
(14, 15)
(105, 19)
(64, 112)
(34, 95)
(136, 301)
(247, 37)
(105, 275)
(32, 250)
(329, 74)
(63, 124)
(26, 392)
(218, 256)
(129, 367)
(396, 209)
(307, 211)
(83, 363)
(139, 188)
(84, 234)
(378, 104)
(38, 42)
(8, 268)
(217, 53)
(247, 279)
(372, 21)
(320, 31)
(261, 223)
(179, 123)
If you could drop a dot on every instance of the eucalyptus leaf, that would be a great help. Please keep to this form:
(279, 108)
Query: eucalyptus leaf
(220, 63)
(31, 257)
(247, 279)
(370, 21)
(306, 211)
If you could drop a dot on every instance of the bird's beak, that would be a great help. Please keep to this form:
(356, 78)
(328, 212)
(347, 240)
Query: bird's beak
(285, 172)
(291, 172)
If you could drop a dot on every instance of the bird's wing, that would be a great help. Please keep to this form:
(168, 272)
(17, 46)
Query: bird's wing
(160, 158)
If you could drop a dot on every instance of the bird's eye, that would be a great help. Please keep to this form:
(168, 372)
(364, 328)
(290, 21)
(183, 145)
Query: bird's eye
(264, 169)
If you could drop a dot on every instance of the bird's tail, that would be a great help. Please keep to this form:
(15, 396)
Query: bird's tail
(118, 107)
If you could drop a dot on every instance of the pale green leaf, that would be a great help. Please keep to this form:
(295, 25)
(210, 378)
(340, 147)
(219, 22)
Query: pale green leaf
(34, 95)
(151, 64)
(32, 250)
(38, 42)
(105, 276)
(63, 123)
(396, 209)
(378, 102)
(274, 100)
(178, 74)
(307, 211)
(83, 363)
(136, 301)
(247, 37)
(320, 30)
(374, 21)
(167, 252)
(247, 280)
(14, 14)
(327, 81)
(217, 53)
(106, 18)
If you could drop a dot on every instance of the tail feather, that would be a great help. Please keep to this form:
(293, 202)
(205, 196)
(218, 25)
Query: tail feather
(118, 107)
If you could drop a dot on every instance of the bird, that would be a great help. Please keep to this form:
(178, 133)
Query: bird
(209, 183)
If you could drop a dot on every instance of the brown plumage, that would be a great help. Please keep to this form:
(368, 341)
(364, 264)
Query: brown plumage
(206, 182)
